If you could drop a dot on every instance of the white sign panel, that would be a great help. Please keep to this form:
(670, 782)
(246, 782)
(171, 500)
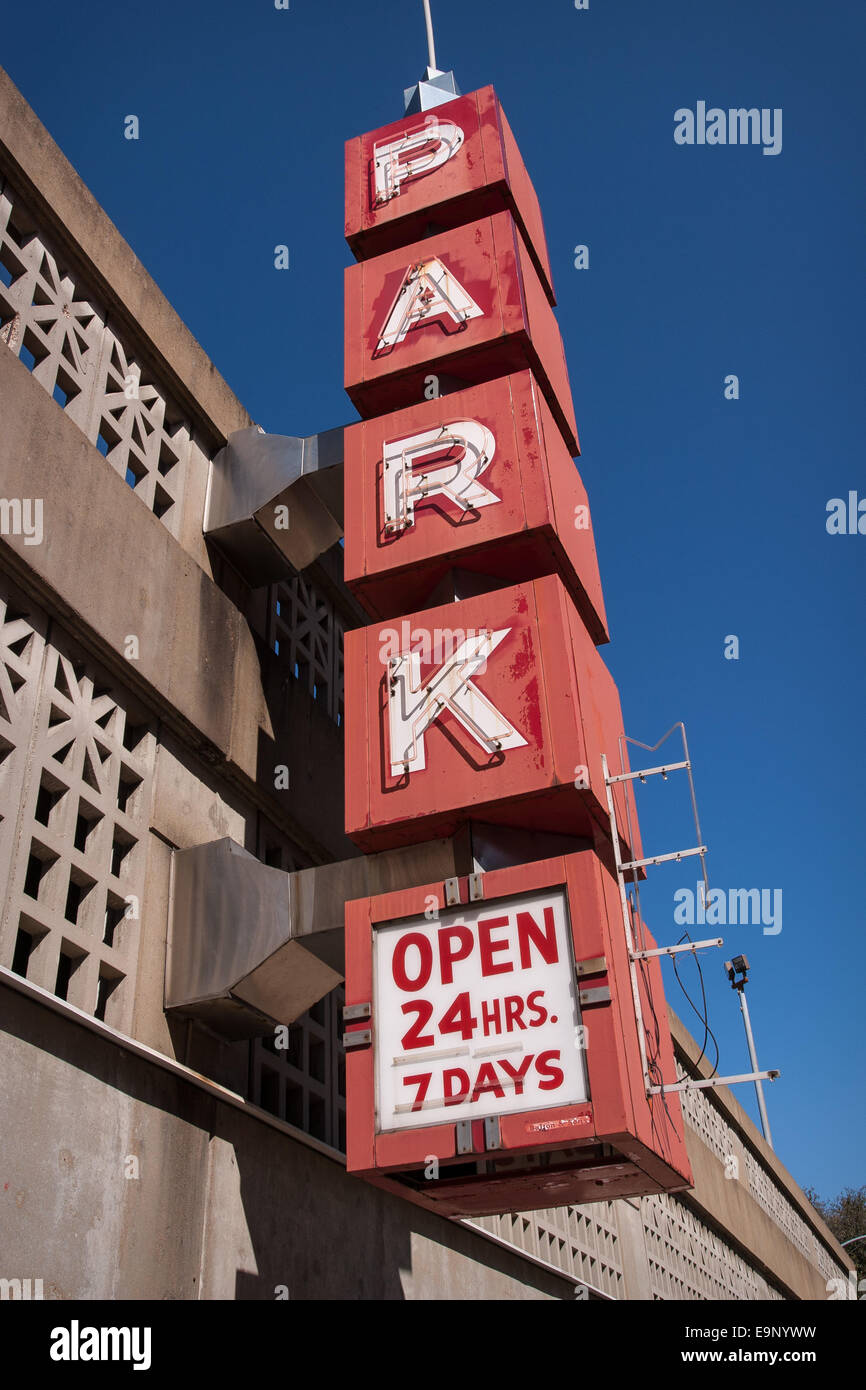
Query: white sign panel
(476, 1013)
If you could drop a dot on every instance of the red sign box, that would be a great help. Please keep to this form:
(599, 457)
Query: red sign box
(479, 480)
(495, 1062)
(465, 304)
(447, 167)
(496, 708)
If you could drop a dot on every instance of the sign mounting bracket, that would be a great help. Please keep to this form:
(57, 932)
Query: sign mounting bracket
(636, 953)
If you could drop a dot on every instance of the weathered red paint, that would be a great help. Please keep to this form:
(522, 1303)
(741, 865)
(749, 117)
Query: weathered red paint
(546, 678)
(517, 328)
(477, 213)
(540, 526)
(485, 176)
(646, 1148)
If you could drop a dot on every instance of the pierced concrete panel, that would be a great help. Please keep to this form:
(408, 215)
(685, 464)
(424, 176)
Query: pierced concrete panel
(75, 799)
(58, 330)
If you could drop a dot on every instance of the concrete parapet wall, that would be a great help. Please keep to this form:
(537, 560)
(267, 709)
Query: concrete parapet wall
(43, 173)
(130, 1183)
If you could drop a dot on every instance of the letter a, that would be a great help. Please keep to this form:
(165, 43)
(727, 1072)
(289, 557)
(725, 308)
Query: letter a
(837, 522)
(684, 126)
(429, 291)
(413, 705)
(448, 461)
(684, 912)
(60, 1341)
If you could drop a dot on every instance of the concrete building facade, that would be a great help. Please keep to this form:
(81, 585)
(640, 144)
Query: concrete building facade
(147, 693)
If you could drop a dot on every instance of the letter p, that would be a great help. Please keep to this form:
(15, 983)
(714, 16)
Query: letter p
(455, 943)
(412, 154)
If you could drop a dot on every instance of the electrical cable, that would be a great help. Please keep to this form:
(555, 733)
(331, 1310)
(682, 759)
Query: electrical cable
(653, 1064)
(708, 1032)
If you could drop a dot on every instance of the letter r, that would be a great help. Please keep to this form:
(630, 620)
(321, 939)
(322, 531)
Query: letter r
(446, 461)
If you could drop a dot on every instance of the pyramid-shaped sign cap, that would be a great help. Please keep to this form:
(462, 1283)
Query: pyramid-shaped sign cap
(433, 88)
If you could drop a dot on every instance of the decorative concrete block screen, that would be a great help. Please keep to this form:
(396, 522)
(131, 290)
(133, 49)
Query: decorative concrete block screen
(57, 328)
(719, 1136)
(76, 756)
(689, 1261)
(581, 1241)
(305, 1083)
(306, 632)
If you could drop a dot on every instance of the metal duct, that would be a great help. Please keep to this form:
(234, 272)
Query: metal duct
(250, 946)
(275, 502)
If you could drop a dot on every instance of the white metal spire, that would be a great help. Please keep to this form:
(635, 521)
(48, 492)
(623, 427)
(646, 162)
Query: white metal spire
(436, 86)
(431, 42)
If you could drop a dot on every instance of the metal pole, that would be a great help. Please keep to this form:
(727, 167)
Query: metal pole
(431, 46)
(744, 1009)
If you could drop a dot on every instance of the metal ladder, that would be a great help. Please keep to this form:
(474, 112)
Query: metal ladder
(639, 953)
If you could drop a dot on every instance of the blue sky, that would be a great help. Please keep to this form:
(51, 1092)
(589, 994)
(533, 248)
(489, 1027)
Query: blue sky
(704, 261)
